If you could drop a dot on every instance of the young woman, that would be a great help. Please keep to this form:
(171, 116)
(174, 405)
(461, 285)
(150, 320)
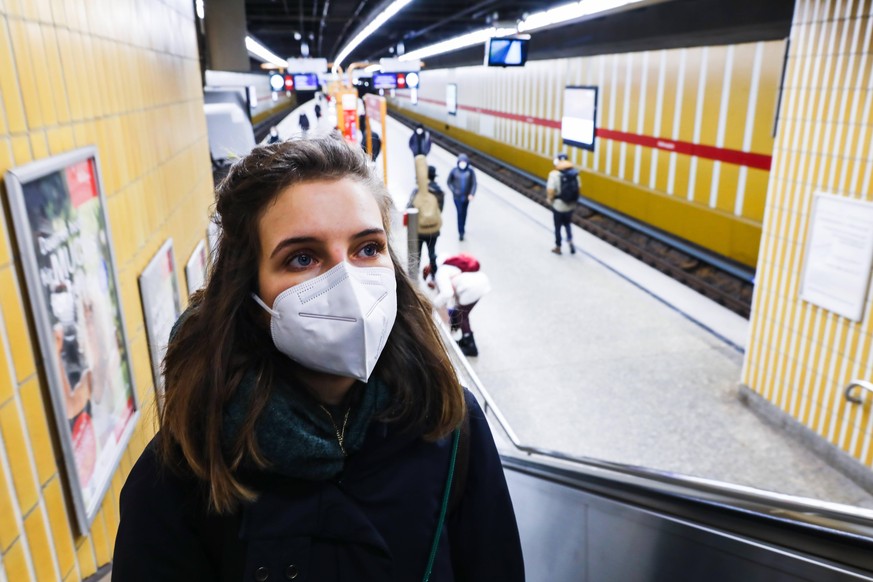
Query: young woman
(311, 415)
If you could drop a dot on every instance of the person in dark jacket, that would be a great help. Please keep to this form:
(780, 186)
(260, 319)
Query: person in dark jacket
(303, 122)
(314, 445)
(462, 183)
(419, 141)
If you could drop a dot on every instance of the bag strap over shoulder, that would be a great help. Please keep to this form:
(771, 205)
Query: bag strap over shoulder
(455, 482)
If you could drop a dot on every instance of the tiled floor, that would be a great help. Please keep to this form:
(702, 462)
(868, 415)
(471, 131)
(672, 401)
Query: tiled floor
(598, 355)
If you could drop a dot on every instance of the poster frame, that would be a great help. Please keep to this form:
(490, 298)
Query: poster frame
(199, 249)
(581, 144)
(16, 179)
(155, 357)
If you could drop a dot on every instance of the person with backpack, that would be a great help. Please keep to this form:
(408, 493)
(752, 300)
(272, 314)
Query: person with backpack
(462, 183)
(562, 193)
(460, 284)
(331, 442)
(429, 203)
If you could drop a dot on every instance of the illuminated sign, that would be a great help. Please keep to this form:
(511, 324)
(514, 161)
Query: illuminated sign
(277, 82)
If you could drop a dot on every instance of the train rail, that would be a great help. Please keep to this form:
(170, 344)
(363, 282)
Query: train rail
(733, 290)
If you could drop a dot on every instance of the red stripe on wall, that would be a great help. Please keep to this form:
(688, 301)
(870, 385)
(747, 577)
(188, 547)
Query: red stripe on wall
(729, 156)
(741, 158)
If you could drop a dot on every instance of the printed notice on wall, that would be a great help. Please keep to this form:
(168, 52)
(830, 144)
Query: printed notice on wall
(839, 255)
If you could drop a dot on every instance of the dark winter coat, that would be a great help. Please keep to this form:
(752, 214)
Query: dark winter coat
(462, 183)
(375, 522)
(420, 144)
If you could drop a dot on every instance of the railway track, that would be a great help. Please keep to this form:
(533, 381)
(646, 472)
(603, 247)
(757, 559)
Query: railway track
(727, 289)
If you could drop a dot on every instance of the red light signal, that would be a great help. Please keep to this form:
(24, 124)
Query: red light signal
(401, 80)
(289, 83)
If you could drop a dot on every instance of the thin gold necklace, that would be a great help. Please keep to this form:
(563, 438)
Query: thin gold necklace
(340, 434)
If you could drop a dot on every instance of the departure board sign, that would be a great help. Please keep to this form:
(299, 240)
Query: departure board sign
(579, 121)
(839, 255)
(305, 81)
(384, 81)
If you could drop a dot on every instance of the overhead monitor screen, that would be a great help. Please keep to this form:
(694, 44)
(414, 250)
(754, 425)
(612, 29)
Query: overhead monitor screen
(579, 121)
(384, 81)
(506, 52)
(306, 82)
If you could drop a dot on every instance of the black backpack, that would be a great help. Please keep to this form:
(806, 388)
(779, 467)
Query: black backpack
(569, 185)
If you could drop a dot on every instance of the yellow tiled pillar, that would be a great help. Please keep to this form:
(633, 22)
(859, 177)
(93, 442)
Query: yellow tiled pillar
(800, 356)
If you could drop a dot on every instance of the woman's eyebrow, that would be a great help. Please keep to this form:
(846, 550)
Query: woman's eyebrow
(369, 232)
(292, 241)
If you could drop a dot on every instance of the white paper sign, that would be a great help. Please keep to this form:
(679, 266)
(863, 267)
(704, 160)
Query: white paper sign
(839, 255)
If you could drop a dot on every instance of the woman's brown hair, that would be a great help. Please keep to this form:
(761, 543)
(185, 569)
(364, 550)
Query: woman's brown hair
(222, 337)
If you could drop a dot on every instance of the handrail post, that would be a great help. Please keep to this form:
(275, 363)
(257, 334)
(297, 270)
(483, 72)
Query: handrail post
(412, 256)
(863, 385)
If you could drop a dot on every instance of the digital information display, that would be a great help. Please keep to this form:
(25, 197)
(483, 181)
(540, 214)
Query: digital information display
(306, 81)
(384, 81)
(579, 121)
(506, 52)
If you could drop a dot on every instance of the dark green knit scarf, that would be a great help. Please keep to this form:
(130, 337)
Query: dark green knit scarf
(296, 436)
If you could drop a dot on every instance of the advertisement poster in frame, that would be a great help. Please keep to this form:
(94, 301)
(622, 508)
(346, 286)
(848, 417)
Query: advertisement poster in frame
(59, 212)
(161, 307)
(195, 268)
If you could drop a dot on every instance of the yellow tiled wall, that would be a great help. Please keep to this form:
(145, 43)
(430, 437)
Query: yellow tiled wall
(801, 356)
(122, 75)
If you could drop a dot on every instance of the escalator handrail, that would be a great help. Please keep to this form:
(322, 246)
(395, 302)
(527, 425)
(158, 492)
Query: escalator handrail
(837, 519)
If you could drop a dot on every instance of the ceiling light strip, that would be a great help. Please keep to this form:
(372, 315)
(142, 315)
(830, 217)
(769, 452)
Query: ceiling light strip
(552, 17)
(261, 52)
(374, 25)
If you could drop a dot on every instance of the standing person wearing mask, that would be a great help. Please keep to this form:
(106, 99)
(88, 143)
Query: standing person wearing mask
(419, 141)
(462, 183)
(313, 443)
(274, 135)
(562, 192)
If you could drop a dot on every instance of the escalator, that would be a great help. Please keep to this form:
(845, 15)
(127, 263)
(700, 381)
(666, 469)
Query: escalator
(586, 520)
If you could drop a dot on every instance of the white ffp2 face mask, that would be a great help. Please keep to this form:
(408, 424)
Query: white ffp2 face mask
(337, 323)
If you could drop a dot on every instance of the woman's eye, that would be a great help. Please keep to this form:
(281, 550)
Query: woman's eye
(300, 261)
(371, 250)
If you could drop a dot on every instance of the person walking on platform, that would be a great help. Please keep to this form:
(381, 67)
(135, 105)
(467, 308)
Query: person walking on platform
(331, 445)
(419, 141)
(562, 192)
(462, 183)
(274, 135)
(429, 203)
(317, 109)
(460, 284)
(303, 122)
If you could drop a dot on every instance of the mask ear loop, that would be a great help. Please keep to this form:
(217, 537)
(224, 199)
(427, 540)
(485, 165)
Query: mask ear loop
(260, 302)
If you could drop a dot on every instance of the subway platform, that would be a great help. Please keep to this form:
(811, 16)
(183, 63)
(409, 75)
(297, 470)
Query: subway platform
(598, 355)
